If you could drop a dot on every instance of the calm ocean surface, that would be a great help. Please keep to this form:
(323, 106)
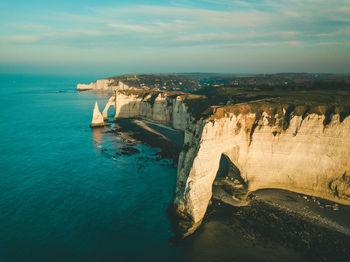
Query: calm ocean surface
(64, 196)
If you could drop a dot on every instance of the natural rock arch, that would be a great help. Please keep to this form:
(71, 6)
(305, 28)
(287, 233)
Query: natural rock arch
(228, 185)
(313, 161)
(111, 102)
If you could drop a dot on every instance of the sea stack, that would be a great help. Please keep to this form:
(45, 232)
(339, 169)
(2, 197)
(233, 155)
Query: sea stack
(97, 118)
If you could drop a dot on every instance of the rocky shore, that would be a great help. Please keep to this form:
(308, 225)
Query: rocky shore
(265, 231)
(136, 131)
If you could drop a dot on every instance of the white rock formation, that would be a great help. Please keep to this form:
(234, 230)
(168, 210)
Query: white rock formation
(161, 108)
(308, 157)
(97, 118)
(82, 87)
(111, 102)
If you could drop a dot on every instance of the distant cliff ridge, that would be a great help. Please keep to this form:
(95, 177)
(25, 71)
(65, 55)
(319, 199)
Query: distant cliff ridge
(195, 81)
(243, 140)
(145, 82)
(103, 85)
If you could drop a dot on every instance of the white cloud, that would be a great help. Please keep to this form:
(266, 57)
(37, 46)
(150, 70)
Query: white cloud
(194, 17)
(266, 44)
(21, 39)
(27, 26)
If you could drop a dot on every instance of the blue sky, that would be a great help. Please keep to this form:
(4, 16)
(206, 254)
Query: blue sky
(113, 37)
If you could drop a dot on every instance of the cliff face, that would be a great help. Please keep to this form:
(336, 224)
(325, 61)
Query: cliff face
(164, 108)
(273, 147)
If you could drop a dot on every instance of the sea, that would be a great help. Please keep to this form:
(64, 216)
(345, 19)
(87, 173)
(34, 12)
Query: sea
(64, 193)
(68, 194)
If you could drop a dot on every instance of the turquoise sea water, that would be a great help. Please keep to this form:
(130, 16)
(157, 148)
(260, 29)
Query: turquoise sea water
(64, 194)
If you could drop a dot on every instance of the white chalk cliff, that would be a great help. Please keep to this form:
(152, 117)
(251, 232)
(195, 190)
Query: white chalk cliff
(304, 156)
(271, 146)
(97, 118)
(166, 108)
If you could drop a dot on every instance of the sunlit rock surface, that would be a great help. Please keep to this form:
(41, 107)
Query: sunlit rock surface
(303, 155)
(165, 108)
(97, 118)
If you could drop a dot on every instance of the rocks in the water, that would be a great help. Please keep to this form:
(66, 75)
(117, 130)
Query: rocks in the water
(128, 151)
(97, 118)
(341, 186)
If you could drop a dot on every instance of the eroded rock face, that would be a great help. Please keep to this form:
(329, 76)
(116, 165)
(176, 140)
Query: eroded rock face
(300, 153)
(157, 107)
(228, 181)
(111, 102)
(341, 186)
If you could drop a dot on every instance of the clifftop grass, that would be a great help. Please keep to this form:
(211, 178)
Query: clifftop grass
(299, 102)
(215, 103)
(224, 100)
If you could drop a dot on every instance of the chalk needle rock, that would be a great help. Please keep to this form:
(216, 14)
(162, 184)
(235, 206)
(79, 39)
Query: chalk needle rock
(97, 118)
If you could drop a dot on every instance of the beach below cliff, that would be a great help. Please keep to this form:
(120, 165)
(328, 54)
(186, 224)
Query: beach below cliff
(167, 140)
(277, 225)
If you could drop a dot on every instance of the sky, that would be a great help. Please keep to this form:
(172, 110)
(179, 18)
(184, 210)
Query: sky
(105, 37)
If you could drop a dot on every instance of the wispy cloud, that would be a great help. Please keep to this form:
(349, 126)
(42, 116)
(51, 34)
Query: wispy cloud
(195, 18)
(21, 39)
(266, 44)
(28, 26)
